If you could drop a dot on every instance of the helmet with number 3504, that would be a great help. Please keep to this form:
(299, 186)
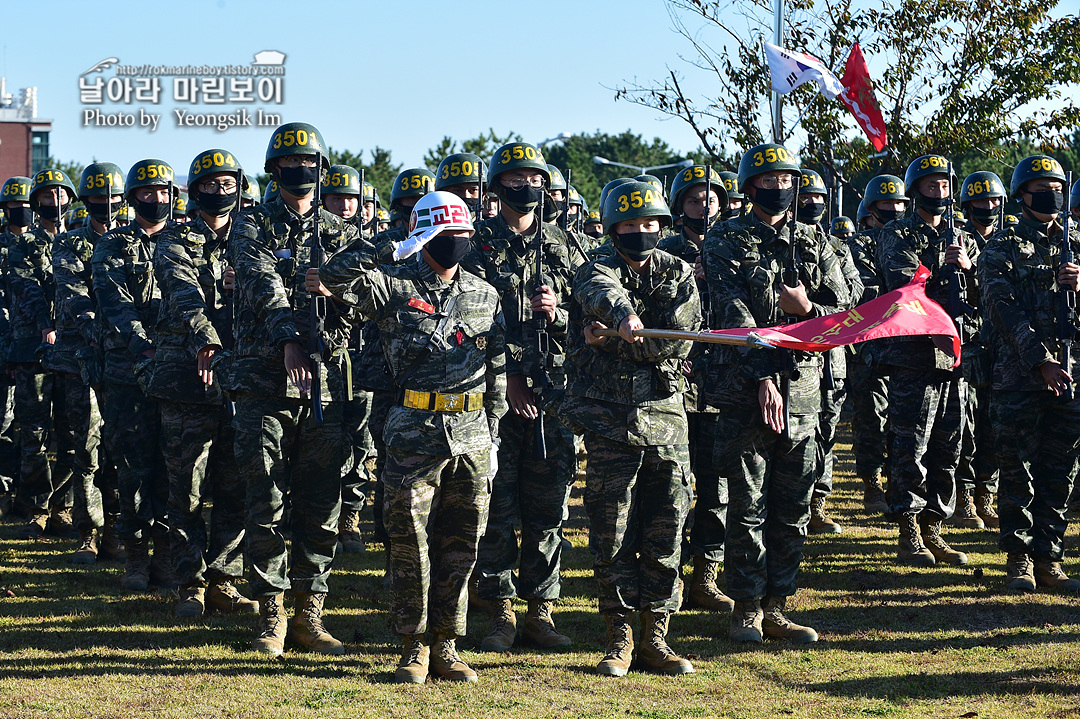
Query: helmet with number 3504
(518, 156)
(1033, 168)
(461, 168)
(415, 182)
(770, 157)
(212, 162)
(632, 200)
(296, 138)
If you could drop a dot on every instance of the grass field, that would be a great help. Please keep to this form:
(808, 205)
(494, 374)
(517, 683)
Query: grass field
(895, 642)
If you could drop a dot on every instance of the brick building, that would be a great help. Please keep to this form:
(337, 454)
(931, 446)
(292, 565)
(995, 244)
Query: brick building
(24, 137)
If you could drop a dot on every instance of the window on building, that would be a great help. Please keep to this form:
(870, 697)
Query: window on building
(39, 155)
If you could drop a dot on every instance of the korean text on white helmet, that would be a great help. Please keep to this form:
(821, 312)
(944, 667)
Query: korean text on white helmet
(438, 212)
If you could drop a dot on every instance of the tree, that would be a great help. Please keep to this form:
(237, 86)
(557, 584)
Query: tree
(483, 146)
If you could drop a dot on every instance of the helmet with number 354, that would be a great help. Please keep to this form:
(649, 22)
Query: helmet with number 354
(632, 200)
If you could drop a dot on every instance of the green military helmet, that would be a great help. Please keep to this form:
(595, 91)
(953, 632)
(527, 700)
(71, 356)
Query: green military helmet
(695, 175)
(769, 157)
(885, 187)
(211, 162)
(251, 190)
(731, 185)
(16, 189)
(415, 182)
(1074, 196)
(842, 225)
(396, 215)
(341, 180)
(382, 215)
(594, 216)
(272, 192)
(812, 184)
(609, 187)
(576, 198)
(925, 166)
(149, 173)
(371, 194)
(77, 217)
(1033, 168)
(863, 213)
(126, 213)
(180, 204)
(1011, 221)
(632, 200)
(51, 177)
(461, 168)
(652, 180)
(296, 138)
(982, 185)
(101, 178)
(558, 182)
(518, 156)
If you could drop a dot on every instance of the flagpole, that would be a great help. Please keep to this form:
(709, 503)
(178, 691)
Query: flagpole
(777, 98)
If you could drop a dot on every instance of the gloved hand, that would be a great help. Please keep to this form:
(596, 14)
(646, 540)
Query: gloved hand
(413, 244)
(494, 463)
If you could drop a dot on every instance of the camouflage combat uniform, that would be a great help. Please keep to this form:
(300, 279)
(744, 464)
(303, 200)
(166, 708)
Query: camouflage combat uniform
(9, 444)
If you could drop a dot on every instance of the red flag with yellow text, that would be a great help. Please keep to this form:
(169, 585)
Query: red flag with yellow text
(858, 96)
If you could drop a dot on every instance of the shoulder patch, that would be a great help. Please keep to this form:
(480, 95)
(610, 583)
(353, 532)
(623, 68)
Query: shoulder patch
(419, 304)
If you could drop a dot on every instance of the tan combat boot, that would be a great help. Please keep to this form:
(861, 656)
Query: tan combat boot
(1019, 572)
(620, 645)
(1050, 575)
(654, 649)
(777, 626)
(273, 627)
(413, 666)
(349, 532)
(911, 549)
(35, 528)
(873, 498)
(503, 627)
(966, 515)
(931, 534)
(61, 524)
(704, 592)
(223, 597)
(88, 548)
(306, 627)
(137, 566)
(110, 548)
(539, 628)
(192, 602)
(746, 622)
(984, 505)
(821, 523)
(446, 663)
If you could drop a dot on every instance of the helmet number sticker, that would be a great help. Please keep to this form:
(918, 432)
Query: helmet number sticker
(520, 152)
(465, 168)
(771, 155)
(289, 138)
(636, 200)
(102, 179)
(152, 172)
(20, 189)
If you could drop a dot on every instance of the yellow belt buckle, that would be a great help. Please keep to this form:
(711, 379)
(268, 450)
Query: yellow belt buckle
(414, 400)
(449, 402)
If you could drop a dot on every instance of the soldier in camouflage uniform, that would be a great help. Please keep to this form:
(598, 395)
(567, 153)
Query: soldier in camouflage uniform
(593, 227)
(528, 491)
(926, 395)
(625, 396)
(842, 228)
(1038, 431)
(46, 490)
(691, 197)
(736, 199)
(193, 326)
(769, 401)
(443, 336)
(128, 299)
(76, 363)
(283, 444)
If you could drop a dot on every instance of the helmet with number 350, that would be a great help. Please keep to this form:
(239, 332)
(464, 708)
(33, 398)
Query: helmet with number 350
(770, 157)
(415, 182)
(296, 138)
(518, 156)
(695, 175)
(461, 168)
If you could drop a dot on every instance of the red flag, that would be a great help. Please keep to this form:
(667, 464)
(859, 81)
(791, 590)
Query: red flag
(905, 312)
(859, 98)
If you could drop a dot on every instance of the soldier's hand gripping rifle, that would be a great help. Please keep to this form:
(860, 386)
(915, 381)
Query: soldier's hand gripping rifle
(317, 327)
(1066, 325)
(541, 380)
(952, 276)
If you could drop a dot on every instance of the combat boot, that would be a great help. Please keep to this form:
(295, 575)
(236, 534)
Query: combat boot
(1050, 575)
(349, 532)
(161, 572)
(912, 550)
(223, 597)
(775, 625)
(966, 515)
(931, 534)
(387, 568)
(620, 645)
(35, 528)
(271, 639)
(539, 628)
(192, 602)
(654, 650)
(61, 525)
(446, 663)
(137, 566)
(873, 498)
(746, 622)
(88, 548)
(984, 505)
(704, 592)
(503, 627)
(413, 666)
(821, 523)
(306, 627)
(1019, 572)
(6, 501)
(109, 546)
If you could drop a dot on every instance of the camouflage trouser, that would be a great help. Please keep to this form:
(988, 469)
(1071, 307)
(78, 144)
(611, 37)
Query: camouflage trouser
(869, 388)
(1038, 444)
(770, 483)
(381, 402)
(42, 487)
(531, 493)
(925, 415)
(9, 441)
(831, 402)
(132, 433)
(978, 467)
(436, 509)
(709, 532)
(80, 428)
(279, 449)
(197, 443)
(355, 482)
(637, 499)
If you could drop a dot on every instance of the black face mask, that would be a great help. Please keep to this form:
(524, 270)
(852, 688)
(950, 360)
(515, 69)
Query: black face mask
(776, 201)
(474, 207)
(153, 212)
(636, 245)
(934, 205)
(103, 212)
(731, 214)
(887, 216)
(52, 213)
(986, 218)
(1047, 202)
(812, 212)
(299, 181)
(20, 216)
(594, 232)
(215, 204)
(448, 250)
(522, 201)
(695, 224)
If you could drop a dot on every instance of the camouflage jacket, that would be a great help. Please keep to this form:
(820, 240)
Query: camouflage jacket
(30, 279)
(269, 248)
(6, 238)
(631, 393)
(744, 261)
(901, 246)
(837, 355)
(128, 298)
(437, 336)
(1020, 296)
(696, 366)
(372, 371)
(76, 308)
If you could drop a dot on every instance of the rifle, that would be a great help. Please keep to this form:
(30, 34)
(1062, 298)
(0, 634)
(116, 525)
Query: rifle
(790, 279)
(1066, 328)
(952, 276)
(363, 203)
(541, 381)
(827, 369)
(480, 200)
(318, 305)
(566, 205)
(708, 199)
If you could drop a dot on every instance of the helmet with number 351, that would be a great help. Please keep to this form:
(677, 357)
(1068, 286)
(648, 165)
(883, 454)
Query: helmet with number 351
(341, 180)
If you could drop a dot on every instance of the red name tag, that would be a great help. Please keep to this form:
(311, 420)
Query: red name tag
(419, 304)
